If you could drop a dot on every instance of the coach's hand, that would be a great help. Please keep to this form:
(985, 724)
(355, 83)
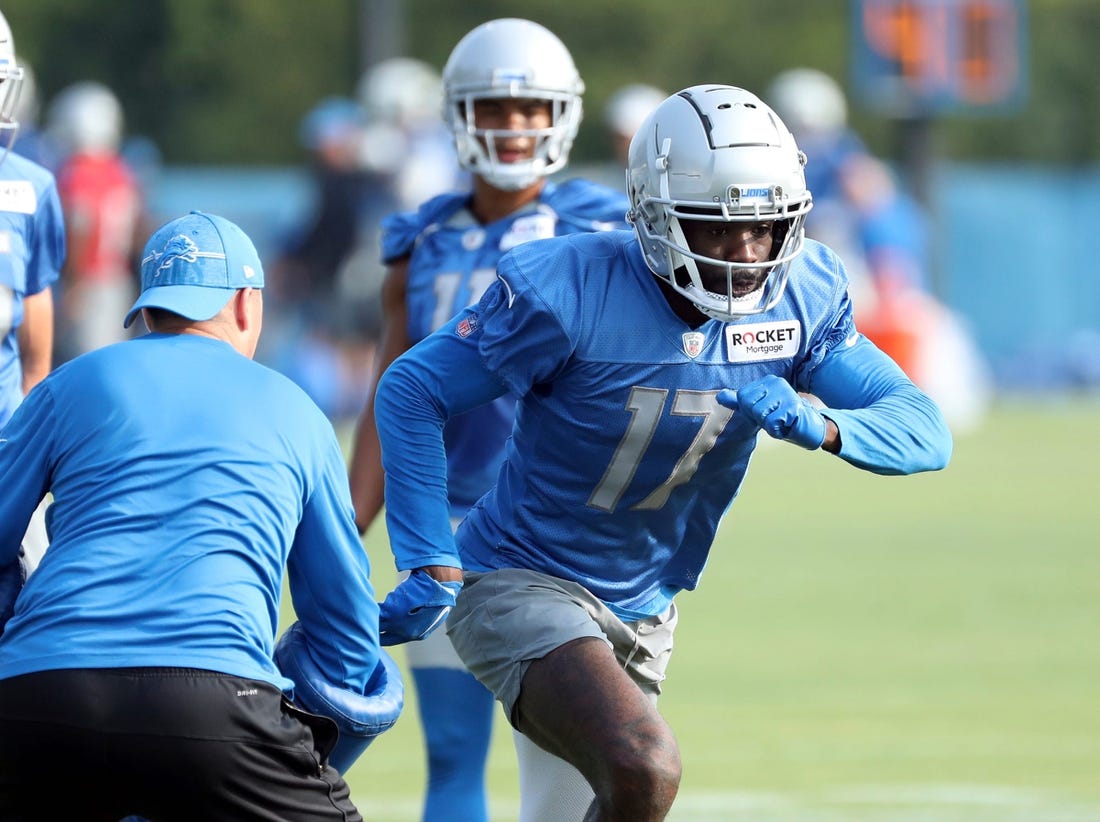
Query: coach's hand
(415, 608)
(773, 404)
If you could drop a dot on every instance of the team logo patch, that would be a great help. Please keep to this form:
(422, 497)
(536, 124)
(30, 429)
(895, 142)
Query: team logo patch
(762, 341)
(18, 196)
(473, 239)
(467, 325)
(693, 343)
(180, 247)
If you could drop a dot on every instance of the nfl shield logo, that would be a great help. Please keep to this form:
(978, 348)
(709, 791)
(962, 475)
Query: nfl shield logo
(693, 343)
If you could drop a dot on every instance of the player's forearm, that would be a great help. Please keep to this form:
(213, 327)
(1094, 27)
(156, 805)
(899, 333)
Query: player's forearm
(365, 471)
(410, 431)
(36, 338)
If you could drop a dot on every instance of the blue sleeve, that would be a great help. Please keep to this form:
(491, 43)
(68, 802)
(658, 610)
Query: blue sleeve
(887, 425)
(329, 577)
(25, 448)
(48, 244)
(439, 377)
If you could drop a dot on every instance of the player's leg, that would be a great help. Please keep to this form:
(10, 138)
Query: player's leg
(548, 650)
(456, 716)
(578, 703)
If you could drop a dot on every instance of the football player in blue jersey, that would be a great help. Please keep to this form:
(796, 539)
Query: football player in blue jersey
(513, 102)
(139, 671)
(32, 252)
(640, 401)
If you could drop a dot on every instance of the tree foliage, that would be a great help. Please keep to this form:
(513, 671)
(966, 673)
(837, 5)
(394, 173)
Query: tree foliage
(227, 81)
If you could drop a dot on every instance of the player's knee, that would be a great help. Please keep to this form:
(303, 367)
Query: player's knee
(644, 775)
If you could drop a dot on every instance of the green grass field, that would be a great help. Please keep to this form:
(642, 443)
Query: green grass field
(869, 648)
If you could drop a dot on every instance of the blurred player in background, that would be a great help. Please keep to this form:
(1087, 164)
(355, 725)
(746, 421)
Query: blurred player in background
(32, 251)
(862, 211)
(627, 109)
(646, 363)
(314, 324)
(104, 223)
(513, 104)
(140, 659)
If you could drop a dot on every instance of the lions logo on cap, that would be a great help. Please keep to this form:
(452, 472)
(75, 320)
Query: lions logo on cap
(180, 247)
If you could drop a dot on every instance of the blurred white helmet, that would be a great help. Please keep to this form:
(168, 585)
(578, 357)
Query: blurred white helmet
(628, 107)
(716, 153)
(809, 101)
(401, 91)
(11, 82)
(514, 58)
(86, 117)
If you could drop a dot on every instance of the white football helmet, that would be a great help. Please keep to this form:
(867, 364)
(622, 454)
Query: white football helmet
(716, 153)
(511, 57)
(402, 92)
(86, 117)
(11, 83)
(809, 101)
(628, 107)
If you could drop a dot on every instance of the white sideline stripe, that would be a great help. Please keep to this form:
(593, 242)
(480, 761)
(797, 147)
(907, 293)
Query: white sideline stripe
(856, 803)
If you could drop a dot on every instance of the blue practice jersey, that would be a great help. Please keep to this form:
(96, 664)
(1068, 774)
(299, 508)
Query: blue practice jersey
(32, 250)
(452, 260)
(184, 476)
(622, 463)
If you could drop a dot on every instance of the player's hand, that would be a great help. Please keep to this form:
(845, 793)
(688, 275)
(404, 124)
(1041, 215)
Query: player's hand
(415, 608)
(773, 404)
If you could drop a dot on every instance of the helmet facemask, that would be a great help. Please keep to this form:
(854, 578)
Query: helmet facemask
(11, 83)
(787, 237)
(477, 147)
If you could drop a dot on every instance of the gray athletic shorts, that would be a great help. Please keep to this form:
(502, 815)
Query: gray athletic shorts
(505, 619)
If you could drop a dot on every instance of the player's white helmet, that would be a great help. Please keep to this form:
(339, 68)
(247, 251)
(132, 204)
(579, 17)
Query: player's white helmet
(517, 58)
(86, 117)
(11, 82)
(628, 107)
(809, 101)
(716, 153)
(401, 91)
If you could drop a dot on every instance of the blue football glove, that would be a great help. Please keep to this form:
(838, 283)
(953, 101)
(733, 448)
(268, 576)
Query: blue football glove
(775, 406)
(415, 608)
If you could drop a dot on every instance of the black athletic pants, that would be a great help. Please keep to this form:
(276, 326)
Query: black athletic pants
(164, 744)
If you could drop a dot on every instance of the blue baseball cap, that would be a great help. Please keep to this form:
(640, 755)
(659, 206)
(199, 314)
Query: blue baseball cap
(192, 265)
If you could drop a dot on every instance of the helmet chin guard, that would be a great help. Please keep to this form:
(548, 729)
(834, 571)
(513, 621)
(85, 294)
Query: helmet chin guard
(716, 153)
